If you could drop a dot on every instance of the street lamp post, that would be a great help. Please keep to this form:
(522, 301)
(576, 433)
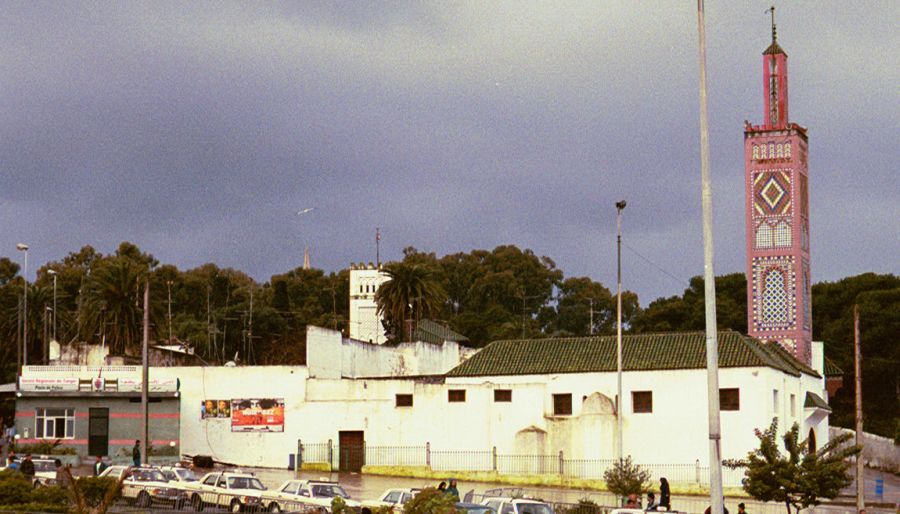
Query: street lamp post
(22, 247)
(53, 274)
(620, 205)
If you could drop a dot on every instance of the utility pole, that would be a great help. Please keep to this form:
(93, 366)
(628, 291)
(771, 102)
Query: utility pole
(591, 326)
(22, 247)
(717, 500)
(53, 273)
(250, 327)
(19, 336)
(145, 376)
(377, 248)
(620, 403)
(857, 371)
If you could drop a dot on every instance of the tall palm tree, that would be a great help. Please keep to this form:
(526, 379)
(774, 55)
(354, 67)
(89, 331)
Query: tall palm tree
(413, 292)
(113, 304)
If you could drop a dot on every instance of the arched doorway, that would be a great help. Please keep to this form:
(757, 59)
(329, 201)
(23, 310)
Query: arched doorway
(811, 441)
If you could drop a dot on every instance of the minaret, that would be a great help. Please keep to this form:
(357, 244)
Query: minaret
(777, 217)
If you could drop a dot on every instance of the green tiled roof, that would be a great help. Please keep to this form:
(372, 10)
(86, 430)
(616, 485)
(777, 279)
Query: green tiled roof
(832, 370)
(789, 359)
(435, 333)
(640, 352)
(814, 401)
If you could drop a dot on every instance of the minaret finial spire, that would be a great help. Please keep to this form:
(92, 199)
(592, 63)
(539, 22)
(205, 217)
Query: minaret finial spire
(774, 31)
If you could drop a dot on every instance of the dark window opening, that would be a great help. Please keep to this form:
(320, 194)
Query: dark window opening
(404, 400)
(562, 404)
(456, 395)
(502, 395)
(642, 401)
(729, 399)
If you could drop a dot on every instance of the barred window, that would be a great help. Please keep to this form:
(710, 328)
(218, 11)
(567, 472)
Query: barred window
(54, 423)
(404, 400)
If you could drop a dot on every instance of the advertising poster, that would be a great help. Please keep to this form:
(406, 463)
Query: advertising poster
(210, 409)
(257, 415)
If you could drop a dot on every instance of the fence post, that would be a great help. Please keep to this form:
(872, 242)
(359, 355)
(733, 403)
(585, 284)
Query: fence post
(494, 458)
(428, 454)
(562, 469)
(697, 473)
(299, 459)
(330, 456)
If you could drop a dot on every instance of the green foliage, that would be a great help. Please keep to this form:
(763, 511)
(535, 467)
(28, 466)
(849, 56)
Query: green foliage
(430, 501)
(45, 448)
(339, 506)
(412, 292)
(94, 492)
(686, 312)
(17, 494)
(799, 477)
(626, 477)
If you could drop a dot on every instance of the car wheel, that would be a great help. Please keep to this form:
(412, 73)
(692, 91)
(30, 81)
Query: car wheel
(235, 506)
(274, 507)
(197, 503)
(179, 504)
(143, 499)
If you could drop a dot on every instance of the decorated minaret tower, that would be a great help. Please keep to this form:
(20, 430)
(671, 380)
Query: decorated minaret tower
(777, 216)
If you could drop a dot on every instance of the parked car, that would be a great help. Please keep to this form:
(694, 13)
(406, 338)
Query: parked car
(232, 490)
(44, 470)
(394, 498)
(178, 475)
(115, 471)
(474, 508)
(314, 494)
(518, 506)
(146, 486)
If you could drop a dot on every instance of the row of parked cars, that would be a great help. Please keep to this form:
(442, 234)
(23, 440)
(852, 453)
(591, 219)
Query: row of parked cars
(239, 491)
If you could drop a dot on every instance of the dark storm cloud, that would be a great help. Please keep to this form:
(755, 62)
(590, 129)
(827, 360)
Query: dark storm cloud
(198, 131)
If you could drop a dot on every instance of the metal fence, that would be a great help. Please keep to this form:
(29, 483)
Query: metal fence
(352, 458)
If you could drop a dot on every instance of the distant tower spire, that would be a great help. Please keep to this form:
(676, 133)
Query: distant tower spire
(306, 258)
(775, 76)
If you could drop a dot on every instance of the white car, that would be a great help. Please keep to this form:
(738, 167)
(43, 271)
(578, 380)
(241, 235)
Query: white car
(178, 476)
(44, 470)
(146, 486)
(232, 490)
(394, 498)
(518, 506)
(306, 495)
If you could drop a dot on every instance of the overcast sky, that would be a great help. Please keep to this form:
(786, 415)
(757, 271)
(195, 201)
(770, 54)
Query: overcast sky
(199, 130)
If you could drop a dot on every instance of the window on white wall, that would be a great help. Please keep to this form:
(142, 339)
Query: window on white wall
(775, 401)
(54, 423)
(793, 405)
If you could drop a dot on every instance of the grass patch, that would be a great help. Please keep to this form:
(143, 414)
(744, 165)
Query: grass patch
(323, 467)
(532, 480)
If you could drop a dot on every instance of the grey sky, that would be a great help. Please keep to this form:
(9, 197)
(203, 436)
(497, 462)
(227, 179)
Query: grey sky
(198, 130)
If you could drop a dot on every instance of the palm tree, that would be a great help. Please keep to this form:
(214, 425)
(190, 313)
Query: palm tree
(413, 292)
(113, 304)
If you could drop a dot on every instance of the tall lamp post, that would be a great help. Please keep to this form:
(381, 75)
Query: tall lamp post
(717, 500)
(620, 403)
(53, 274)
(22, 247)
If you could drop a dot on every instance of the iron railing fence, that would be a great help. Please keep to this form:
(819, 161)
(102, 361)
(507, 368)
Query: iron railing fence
(353, 457)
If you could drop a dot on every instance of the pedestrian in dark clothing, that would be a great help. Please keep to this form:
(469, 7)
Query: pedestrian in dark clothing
(709, 509)
(665, 497)
(136, 453)
(741, 509)
(452, 490)
(61, 479)
(26, 467)
(652, 504)
(442, 487)
(99, 466)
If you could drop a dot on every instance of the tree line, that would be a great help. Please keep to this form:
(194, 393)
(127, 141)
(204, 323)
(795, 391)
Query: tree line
(486, 295)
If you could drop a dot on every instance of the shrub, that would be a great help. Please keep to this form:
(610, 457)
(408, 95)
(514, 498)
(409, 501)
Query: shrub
(45, 448)
(15, 488)
(34, 507)
(50, 495)
(94, 489)
(625, 478)
(430, 501)
(584, 506)
(339, 506)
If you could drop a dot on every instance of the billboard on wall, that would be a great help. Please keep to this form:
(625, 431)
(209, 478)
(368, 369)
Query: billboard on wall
(215, 409)
(257, 415)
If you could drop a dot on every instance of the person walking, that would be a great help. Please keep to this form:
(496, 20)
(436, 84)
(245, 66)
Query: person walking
(665, 496)
(442, 487)
(26, 467)
(11, 462)
(652, 504)
(452, 490)
(136, 453)
(99, 466)
(741, 508)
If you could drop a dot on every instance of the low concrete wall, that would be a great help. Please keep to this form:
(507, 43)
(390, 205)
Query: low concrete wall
(878, 452)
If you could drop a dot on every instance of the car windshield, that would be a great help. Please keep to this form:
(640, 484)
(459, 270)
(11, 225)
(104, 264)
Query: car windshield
(147, 475)
(476, 510)
(328, 491)
(44, 465)
(245, 483)
(186, 475)
(533, 508)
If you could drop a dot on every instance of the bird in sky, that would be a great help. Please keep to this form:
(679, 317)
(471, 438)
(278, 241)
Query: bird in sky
(304, 211)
